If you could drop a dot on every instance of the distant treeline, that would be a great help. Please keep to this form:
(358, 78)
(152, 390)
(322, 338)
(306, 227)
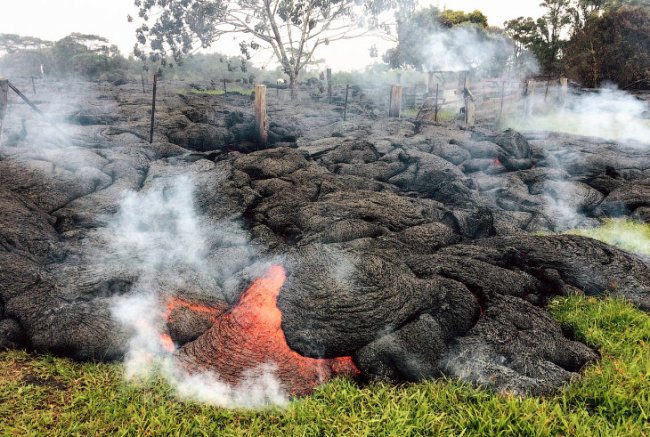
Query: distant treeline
(92, 57)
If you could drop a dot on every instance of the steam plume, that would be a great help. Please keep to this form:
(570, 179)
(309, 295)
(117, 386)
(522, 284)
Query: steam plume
(160, 232)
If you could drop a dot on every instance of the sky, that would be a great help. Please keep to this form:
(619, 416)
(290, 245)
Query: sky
(54, 19)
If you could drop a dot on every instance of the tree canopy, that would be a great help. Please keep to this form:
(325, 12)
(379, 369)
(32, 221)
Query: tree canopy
(12, 43)
(89, 56)
(292, 29)
(429, 39)
(612, 47)
(547, 37)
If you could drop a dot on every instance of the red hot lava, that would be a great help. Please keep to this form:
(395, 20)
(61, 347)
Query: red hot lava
(249, 335)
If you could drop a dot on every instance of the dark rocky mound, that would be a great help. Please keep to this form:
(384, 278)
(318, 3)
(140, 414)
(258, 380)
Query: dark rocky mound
(409, 249)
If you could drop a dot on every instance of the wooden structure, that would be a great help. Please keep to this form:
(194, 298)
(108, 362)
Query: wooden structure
(345, 105)
(261, 120)
(395, 105)
(329, 85)
(153, 108)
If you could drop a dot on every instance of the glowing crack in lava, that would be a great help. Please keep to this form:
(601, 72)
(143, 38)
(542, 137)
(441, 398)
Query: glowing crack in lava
(249, 335)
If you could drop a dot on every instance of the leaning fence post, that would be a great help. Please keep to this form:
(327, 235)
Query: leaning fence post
(4, 91)
(470, 107)
(395, 107)
(33, 85)
(329, 85)
(153, 107)
(261, 121)
(345, 106)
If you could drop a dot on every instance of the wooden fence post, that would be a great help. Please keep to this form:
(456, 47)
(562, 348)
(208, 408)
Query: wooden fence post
(430, 83)
(153, 107)
(503, 95)
(530, 97)
(470, 111)
(345, 106)
(4, 91)
(329, 85)
(546, 92)
(564, 89)
(261, 121)
(225, 88)
(33, 85)
(437, 107)
(395, 107)
(142, 80)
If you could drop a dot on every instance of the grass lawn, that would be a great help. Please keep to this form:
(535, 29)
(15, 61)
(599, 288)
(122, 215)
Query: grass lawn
(617, 126)
(623, 233)
(45, 395)
(219, 92)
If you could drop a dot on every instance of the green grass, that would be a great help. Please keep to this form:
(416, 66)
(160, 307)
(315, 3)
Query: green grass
(608, 127)
(44, 395)
(623, 233)
(219, 92)
(444, 115)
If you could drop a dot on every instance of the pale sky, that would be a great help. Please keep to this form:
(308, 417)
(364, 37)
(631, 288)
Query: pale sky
(54, 19)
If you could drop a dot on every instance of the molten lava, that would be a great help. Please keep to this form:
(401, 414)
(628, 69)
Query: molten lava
(174, 304)
(167, 344)
(249, 335)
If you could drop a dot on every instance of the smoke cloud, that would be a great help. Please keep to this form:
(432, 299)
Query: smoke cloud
(610, 114)
(160, 232)
(464, 48)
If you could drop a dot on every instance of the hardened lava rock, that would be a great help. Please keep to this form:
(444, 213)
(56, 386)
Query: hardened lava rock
(416, 250)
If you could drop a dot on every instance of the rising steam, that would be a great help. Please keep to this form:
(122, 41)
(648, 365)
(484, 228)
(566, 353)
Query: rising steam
(160, 232)
(463, 48)
(610, 113)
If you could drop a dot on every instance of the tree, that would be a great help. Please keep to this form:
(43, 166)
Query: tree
(292, 29)
(24, 54)
(416, 30)
(11, 43)
(544, 36)
(613, 47)
(450, 18)
(413, 28)
(87, 55)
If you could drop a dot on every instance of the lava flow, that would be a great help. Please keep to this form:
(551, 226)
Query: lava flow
(175, 307)
(249, 335)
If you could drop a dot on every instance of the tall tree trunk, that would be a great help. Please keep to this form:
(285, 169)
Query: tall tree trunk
(293, 85)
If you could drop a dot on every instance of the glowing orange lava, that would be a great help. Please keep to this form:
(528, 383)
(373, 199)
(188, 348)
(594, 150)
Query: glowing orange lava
(250, 335)
(167, 343)
(175, 304)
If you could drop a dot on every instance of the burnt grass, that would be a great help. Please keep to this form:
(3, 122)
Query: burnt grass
(422, 250)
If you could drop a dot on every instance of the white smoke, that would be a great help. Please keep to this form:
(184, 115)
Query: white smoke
(461, 48)
(560, 205)
(610, 113)
(160, 233)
